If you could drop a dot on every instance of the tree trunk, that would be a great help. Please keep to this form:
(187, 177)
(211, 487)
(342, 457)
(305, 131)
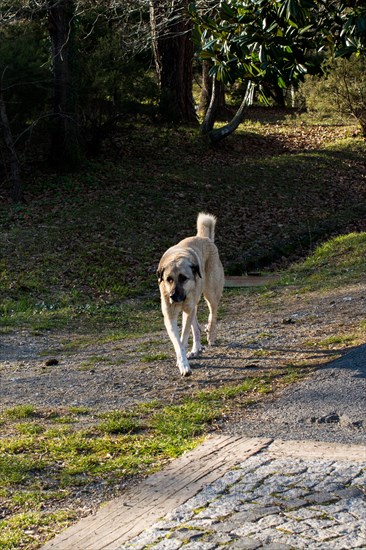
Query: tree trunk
(211, 113)
(65, 146)
(206, 93)
(173, 51)
(16, 182)
(206, 90)
(279, 96)
(221, 133)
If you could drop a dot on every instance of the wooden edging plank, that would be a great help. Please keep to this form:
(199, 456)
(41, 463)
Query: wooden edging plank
(141, 506)
(245, 281)
(159, 483)
(184, 486)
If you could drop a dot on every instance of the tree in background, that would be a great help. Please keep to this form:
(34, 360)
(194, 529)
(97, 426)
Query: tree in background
(171, 31)
(272, 44)
(255, 43)
(12, 161)
(66, 152)
(72, 70)
(115, 81)
(69, 71)
(25, 91)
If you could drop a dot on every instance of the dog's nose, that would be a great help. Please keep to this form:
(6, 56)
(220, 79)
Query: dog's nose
(176, 297)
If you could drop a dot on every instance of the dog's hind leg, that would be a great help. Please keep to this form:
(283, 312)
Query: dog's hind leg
(212, 295)
(211, 325)
(196, 333)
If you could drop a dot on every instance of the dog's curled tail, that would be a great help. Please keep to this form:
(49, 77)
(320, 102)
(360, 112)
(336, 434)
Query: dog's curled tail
(206, 225)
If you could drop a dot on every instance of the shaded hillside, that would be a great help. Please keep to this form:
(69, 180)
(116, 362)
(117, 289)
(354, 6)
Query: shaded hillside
(276, 188)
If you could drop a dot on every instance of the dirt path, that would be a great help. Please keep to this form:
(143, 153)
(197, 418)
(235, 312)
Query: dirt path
(328, 406)
(257, 333)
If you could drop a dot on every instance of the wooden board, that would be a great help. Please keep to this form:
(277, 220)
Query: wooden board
(249, 280)
(141, 506)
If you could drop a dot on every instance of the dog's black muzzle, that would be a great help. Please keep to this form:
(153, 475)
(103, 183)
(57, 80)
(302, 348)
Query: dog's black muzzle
(177, 297)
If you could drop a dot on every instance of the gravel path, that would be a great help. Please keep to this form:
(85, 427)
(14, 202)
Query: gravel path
(329, 406)
(257, 333)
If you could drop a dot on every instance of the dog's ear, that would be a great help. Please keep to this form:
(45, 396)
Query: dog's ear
(160, 273)
(196, 270)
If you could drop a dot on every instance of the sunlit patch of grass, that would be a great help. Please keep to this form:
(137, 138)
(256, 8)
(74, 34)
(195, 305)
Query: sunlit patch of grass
(337, 340)
(339, 261)
(30, 428)
(146, 408)
(20, 530)
(184, 421)
(20, 412)
(119, 422)
(42, 467)
(67, 419)
(79, 410)
(17, 467)
(334, 341)
(221, 396)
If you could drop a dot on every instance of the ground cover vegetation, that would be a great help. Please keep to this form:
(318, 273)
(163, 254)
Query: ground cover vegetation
(98, 183)
(91, 241)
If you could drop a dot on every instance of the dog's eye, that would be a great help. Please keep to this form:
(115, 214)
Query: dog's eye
(182, 278)
(169, 279)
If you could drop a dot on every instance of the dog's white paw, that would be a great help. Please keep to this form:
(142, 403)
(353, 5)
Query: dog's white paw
(195, 352)
(184, 368)
(210, 335)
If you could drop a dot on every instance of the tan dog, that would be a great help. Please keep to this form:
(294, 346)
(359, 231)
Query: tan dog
(185, 271)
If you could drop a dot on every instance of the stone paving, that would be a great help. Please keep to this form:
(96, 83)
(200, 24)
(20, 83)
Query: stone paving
(272, 503)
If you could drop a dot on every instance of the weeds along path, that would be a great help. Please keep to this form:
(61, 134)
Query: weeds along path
(259, 334)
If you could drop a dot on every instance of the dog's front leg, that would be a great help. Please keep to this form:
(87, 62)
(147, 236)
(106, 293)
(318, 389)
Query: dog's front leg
(171, 325)
(186, 327)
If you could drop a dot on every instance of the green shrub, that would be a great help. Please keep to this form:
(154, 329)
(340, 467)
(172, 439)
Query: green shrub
(341, 90)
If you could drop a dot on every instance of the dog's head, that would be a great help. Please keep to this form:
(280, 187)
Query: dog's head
(178, 277)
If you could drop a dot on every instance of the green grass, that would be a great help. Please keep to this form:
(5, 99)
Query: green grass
(18, 532)
(21, 412)
(43, 468)
(119, 422)
(184, 421)
(30, 428)
(339, 261)
(334, 341)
